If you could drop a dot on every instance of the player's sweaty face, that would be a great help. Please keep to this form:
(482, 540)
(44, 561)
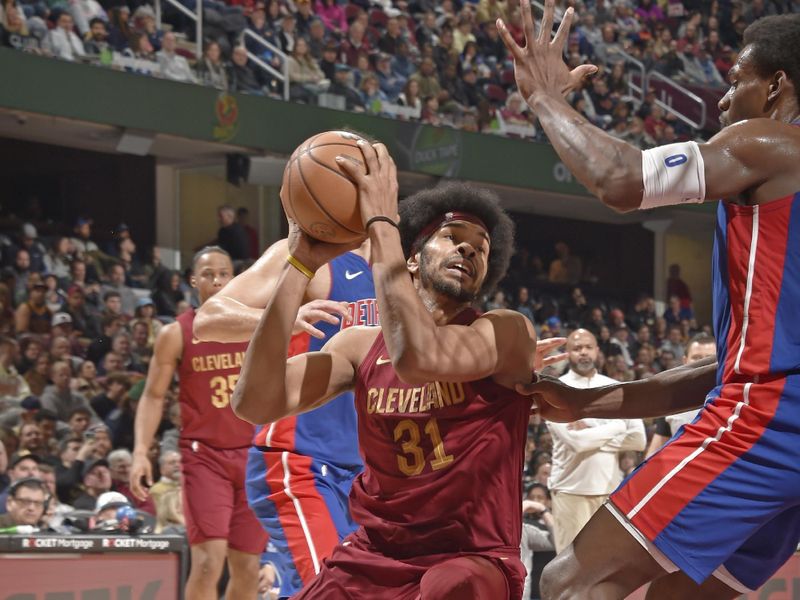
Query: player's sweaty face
(211, 273)
(455, 259)
(745, 96)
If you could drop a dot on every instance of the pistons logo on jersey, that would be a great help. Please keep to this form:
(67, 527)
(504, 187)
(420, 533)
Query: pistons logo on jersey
(362, 312)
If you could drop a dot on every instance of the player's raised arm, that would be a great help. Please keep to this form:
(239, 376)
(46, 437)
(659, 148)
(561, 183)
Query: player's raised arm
(270, 387)
(166, 354)
(624, 177)
(454, 249)
(233, 314)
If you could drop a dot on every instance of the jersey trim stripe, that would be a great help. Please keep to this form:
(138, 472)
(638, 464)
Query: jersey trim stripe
(751, 263)
(287, 488)
(731, 420)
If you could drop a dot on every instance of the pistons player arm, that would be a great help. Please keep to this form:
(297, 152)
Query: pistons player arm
(669, 392)
(233, 314)
(166, 355)
(269, 386)
(740, 158)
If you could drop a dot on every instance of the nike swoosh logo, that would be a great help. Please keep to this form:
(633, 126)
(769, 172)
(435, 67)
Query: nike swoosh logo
(383, 361)
(349, 275)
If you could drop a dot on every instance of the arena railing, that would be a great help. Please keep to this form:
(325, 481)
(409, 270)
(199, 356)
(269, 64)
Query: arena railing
(664, 98)
(197, 17)
(283, 75)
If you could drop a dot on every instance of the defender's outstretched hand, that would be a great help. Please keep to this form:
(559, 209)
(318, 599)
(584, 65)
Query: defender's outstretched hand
(539, 67)
(318, 310)
(545, 347)
(555, 401)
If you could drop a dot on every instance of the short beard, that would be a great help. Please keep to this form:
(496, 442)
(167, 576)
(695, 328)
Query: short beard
(431, 279)
(578, 368)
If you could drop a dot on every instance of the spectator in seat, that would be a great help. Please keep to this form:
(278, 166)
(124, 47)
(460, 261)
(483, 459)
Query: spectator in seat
(371, 94)
(83, 11)
(329, 60)
(22, 271)
(95, 480)
(231, 236)
(305, 76)
(391, 83)
(332, 14)
(341, 87)
(14, 32)
(427, 78)
(675, 312)
(317, 38)
(243, 77)
(33, 316)
(95, 42)
(304, 16)
(514, 111)
(110, 325)
(410, 95)
(111, 362)
(62, 40)
(172, 65)
(84, 323)
(116, 385)
(121, 345)
(58, 397)
(31, 440)
(490, 45)
(119, 27)
(463, 34)
(401, 61)
(38, 377)
(144, 21)
(210, 69)
(28, 240)
(140, 47)
(390, 39)
(674, 342)
(443, 52)
(170, 466)
(287, 34)
(167, 294)
(170, 518)
(524, 304)
(86, 382)
(469, 92)
(145, 313)
(491, 10)
(116, 284)
(59, 258)
(25, 504)
(354, 44)
(12, 384)
(78, 422)
(678, 287)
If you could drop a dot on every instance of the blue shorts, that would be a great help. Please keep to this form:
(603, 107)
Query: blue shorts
(722, 497)
(303, 504)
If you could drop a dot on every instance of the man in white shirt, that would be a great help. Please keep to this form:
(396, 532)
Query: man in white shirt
(173, 66)
(699, 347)
(585, 465)
(62, 41)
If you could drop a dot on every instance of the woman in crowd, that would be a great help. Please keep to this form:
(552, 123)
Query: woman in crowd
(86, 382)
(372, 95)
(168, 294)
(38, 377)
(210, 69)
(305, 75)
(410, 95)
(58, 260)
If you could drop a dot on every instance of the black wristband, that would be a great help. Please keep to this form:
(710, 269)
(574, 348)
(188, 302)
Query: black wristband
(380, 218)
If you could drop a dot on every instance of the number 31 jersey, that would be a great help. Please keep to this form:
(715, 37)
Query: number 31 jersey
(208, 373)
(443, 461)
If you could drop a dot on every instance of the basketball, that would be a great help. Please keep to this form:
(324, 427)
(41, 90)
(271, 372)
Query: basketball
(317, 194)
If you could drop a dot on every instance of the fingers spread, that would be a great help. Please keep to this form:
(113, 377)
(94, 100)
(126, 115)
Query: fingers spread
(513, 48)
(370, 156)
(547, 21)
(527, 23)
(563, 31)
(551, 360)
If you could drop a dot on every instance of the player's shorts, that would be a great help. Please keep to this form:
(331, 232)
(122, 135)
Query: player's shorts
(358, 571)
(303, 505)
(723, 496)
(214, 498)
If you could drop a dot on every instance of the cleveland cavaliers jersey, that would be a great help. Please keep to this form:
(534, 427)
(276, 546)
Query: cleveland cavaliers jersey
(756, 282)
(208, 372)
(443, 461)
(329, 433)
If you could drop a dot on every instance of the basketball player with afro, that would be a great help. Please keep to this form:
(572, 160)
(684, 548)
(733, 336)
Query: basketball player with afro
(440, 427)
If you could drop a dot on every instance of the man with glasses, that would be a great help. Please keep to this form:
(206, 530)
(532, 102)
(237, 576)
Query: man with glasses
(25, 504)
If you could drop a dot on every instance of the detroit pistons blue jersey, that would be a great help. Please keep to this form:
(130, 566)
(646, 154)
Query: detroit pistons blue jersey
(329, 433)
(721, 497)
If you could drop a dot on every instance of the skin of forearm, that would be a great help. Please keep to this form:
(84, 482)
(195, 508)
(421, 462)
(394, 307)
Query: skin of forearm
(608, 167)
(148, 417)
(677, 390)
(408, 326)
(224, 320)
(260, 395)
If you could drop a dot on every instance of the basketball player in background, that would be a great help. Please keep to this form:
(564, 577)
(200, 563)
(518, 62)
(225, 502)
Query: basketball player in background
(700, 347)
(441, 430)
(213, 444)
(300, 469)
(714, 513)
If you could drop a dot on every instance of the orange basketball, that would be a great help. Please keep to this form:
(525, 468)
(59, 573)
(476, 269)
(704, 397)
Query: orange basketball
(317, 194)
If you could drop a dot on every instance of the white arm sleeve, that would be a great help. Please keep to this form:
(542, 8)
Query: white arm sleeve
(673, 174)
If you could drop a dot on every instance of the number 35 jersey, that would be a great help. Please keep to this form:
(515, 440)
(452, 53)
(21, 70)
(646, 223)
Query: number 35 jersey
(443, 461)
(208, 373)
